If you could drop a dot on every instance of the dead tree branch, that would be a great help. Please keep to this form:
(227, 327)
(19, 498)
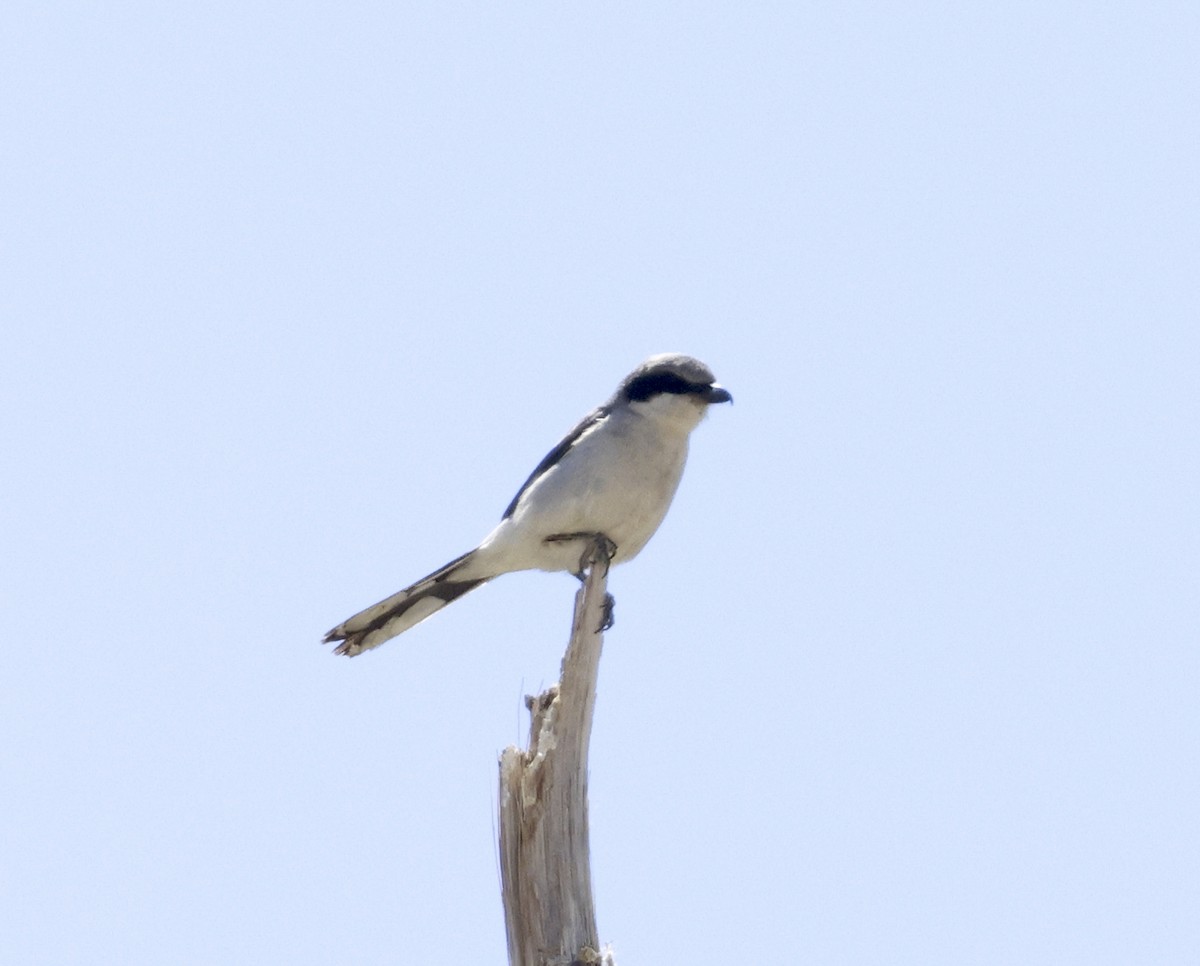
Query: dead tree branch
(544, 857)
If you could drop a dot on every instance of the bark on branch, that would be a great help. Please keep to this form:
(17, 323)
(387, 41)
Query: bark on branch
(544, 860)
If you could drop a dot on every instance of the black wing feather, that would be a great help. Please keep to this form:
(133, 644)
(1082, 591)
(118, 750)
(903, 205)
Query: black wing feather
(555, 455)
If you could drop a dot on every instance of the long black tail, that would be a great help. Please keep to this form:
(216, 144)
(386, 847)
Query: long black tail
(405, 609)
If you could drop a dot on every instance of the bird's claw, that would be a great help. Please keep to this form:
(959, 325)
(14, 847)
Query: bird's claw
(600, 543)
(607, 621)
(595, 542)
(598, 551)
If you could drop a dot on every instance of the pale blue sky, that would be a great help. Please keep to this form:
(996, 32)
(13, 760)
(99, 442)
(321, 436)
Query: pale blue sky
(294, 297)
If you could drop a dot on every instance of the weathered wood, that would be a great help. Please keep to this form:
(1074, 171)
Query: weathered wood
(544, 857)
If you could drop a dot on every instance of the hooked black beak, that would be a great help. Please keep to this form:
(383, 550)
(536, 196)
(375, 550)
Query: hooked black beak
(717, 394)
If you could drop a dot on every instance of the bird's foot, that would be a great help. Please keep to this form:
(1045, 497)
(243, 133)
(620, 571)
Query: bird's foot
(607, 621)
(598, 551)
(595, 542)
(601, 549)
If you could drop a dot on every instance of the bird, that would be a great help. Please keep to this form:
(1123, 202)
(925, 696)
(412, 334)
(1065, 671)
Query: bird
(611, 478)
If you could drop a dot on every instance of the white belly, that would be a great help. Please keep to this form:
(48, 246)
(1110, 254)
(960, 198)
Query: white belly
(619, 483)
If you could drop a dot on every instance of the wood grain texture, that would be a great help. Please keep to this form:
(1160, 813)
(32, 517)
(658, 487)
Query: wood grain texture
(544, 852)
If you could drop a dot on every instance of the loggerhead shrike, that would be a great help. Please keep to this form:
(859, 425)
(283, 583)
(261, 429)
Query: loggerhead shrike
(612, 476)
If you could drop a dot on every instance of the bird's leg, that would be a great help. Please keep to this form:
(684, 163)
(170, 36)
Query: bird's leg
(595, 541)
(602, 549)
(606, 548)
(607, 621)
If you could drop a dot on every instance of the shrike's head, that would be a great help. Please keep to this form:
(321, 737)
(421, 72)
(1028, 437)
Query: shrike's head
(672, 387)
